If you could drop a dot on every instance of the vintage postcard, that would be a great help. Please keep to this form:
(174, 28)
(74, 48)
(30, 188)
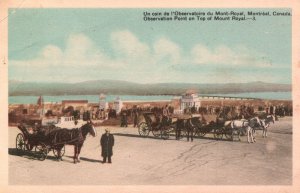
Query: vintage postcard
(147, 97)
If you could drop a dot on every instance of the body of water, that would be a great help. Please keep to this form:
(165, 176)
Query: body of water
(90, 98)
(109, 98)
(260, 95)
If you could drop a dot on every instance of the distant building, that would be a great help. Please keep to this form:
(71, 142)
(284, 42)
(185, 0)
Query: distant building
(103, 105)
(117, 105)
(190, 99)
(40, 103)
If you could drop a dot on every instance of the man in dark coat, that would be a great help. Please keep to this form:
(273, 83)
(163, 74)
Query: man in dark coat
(135, 118)
(107, 142)
(124, 122)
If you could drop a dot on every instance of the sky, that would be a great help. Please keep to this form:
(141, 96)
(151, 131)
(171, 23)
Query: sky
(74, 45)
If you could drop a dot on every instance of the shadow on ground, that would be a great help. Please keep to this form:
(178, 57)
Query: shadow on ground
(87, 159)
(172, 137)
(28, 154)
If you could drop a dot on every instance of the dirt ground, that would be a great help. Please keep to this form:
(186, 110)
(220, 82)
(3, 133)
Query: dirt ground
(150, 161)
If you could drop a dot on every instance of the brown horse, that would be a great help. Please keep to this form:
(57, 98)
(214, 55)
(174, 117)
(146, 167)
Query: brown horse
(75, 137)
(191, 125)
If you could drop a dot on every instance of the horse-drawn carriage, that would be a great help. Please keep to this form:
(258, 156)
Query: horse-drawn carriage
(159, 127)
(184, 125)
(196, 125)
(51, 138)
(218, 129)
(32, 138)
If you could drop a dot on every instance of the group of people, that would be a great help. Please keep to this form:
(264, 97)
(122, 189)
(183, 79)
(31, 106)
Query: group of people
(279, 110)
(107, 139)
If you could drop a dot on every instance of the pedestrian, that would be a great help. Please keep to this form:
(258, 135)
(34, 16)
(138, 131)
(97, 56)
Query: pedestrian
(121, 120)
(166, 116)
(135, 118)
(124, 121)
(123, 115)
(107, 142)
(271, 110)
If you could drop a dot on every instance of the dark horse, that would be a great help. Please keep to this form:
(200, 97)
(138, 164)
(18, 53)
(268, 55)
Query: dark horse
(191, 125)
(74, 137)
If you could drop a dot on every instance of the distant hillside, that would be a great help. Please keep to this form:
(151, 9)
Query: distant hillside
(129, 88)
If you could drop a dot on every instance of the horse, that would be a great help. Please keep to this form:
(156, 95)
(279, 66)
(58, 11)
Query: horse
(193, 125)
(249, 125)
(266, 123)
(190, 125)
(75, 137)
(237, 125)
(253, 124)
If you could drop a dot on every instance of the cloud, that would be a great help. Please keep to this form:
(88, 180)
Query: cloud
(223, 55)
(129, 51)
(129, 48)
(52, 52)
(79, 50)
(166, 50)
(132, 59)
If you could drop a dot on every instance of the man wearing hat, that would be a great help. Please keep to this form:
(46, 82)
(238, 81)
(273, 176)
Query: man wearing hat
(107, 142)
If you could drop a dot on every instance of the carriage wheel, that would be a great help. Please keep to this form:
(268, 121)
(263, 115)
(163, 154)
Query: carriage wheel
(165, 133)
(183, 133)
(156, 132)
(196, 131)
(201, 133)
(62, 152)
(20, 142)
(28, 146)
(143, 129)
(172, 129)
(218, 134)
(41, 151)
(228, 133)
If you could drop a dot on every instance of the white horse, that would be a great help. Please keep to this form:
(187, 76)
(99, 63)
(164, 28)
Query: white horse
(249, 125)
(266, 123)
(237, 125)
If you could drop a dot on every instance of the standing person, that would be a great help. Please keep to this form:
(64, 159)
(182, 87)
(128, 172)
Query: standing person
(122, 120)
(166, 115)
(135, 118)
(179, 127)
(271, 110)
(125, 114)
(107, 142)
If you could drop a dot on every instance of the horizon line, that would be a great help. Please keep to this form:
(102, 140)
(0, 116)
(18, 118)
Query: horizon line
(147, 83)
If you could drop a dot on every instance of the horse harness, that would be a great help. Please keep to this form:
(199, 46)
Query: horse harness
(79, 138)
